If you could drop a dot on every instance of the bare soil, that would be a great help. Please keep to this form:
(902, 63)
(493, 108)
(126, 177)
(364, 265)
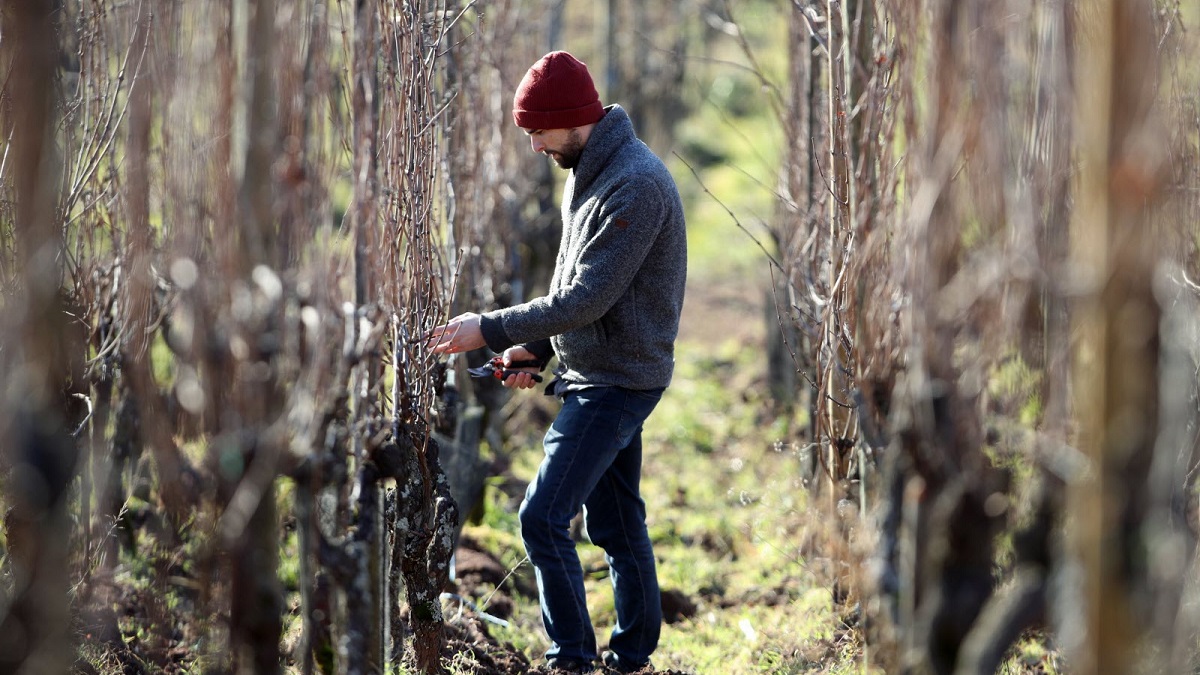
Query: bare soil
(472, 648)
(716, 310)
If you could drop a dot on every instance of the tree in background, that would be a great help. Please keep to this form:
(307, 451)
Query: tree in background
(40, 357)
(924, 227)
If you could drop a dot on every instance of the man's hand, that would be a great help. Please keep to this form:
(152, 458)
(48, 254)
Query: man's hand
(461, 334)
(522, 378)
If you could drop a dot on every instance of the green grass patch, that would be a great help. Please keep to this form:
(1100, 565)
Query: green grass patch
(728, 515)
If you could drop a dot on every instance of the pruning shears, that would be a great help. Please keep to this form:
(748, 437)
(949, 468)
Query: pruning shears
(495, 368)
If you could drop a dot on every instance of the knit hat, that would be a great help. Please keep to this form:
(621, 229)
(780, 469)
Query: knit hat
(557, 93)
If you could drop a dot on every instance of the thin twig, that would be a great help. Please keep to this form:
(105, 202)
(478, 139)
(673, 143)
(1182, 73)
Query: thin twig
(731, 215)
(783, 334)
(825, 179)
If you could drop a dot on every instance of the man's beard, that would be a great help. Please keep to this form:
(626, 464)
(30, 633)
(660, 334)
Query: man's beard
(572, 150)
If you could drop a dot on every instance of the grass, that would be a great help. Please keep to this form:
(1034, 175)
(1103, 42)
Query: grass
(735, 531)
(727, 514)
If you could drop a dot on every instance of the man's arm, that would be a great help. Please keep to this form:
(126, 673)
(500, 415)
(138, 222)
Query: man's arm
(541, 350)
(630, 223)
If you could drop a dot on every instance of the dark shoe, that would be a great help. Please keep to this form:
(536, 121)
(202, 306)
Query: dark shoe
(614, 663)
(562, 665)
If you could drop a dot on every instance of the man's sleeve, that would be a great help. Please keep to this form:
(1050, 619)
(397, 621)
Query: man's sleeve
(542, 349)
(629, 224)
(493, 332)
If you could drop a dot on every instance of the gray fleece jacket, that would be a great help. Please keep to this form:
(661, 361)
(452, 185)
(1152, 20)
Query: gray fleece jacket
(612, 311)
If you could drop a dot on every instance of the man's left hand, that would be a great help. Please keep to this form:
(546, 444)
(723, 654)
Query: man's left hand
(460, 334)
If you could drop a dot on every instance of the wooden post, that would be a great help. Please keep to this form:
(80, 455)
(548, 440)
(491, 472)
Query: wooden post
(40, 358)
(1117, 324)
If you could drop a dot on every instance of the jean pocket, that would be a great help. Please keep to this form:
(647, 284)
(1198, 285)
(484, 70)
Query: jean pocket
(638, 406)
(652, 396)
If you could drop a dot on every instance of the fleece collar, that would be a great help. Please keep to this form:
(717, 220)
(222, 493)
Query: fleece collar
(610, 133)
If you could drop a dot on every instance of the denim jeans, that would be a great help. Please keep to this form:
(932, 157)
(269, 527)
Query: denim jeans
(594, 461)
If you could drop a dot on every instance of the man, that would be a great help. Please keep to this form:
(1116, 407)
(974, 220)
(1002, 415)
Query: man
(611, 317)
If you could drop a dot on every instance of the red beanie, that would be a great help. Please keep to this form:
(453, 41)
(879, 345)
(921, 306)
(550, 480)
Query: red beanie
(557, 93)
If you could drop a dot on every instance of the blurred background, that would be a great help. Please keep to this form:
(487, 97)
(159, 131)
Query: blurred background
(937, 396)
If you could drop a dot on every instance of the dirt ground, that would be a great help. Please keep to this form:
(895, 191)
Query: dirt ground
(469, 644)
(730, 308)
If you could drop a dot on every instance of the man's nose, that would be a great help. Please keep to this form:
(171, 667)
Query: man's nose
(536, 144)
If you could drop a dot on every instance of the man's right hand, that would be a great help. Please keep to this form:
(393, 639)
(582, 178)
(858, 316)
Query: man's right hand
(522, 378)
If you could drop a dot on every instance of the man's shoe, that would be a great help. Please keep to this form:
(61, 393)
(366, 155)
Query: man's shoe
(614, 663)
(564, 665)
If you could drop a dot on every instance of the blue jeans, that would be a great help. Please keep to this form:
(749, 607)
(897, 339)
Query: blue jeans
(594, 460)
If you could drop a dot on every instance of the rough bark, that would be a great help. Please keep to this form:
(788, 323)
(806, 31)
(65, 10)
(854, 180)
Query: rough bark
(40, 363)
(1117, 360)
(430, 516)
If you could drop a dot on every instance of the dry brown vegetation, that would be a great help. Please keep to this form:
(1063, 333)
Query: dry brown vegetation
(224, 228)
